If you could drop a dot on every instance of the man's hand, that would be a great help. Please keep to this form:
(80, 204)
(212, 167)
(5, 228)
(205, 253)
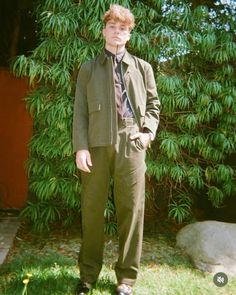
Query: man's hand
(145, 138)
(83, 160)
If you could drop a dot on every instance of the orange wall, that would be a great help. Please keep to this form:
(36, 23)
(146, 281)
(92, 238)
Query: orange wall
(15, 133)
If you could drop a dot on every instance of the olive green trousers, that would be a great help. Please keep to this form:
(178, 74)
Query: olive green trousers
(125, 163)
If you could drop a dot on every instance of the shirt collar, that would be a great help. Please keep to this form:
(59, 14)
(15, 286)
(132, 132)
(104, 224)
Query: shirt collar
(119, 56)
(126, 57)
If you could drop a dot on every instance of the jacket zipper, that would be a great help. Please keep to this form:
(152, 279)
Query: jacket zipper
(111, 75)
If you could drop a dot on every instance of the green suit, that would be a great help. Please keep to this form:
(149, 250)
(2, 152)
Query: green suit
(97, 128)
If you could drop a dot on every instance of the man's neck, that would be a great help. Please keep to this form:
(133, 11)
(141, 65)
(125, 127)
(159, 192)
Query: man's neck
(115, 50)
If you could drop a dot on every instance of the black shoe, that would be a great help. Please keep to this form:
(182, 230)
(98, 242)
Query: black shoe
(124, 289)
(83, 288)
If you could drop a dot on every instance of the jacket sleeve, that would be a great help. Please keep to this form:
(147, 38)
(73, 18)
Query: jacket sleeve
(80, 114)
(152, 114)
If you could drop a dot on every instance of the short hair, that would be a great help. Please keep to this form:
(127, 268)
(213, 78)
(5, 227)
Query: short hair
(121, 14)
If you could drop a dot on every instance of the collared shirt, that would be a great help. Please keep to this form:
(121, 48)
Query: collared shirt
(124, 108)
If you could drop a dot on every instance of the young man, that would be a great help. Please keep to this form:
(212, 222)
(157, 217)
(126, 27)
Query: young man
(116, 115)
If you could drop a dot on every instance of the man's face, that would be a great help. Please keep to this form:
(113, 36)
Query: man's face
(116, 34)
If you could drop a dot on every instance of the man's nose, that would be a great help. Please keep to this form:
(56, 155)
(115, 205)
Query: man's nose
(117, 30)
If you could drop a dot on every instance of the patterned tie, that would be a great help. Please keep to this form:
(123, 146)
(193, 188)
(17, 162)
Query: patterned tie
(118, 86)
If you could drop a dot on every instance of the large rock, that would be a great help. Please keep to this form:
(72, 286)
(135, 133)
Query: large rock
(211, 245)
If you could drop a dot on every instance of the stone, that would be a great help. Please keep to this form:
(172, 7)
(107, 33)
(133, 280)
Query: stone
(8, 230)
(211, 245)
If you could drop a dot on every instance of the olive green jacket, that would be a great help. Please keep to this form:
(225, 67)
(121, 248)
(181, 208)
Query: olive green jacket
(95, 115)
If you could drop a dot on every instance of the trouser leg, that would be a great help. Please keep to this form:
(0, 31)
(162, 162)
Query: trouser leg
(95, 186)
(129, 195)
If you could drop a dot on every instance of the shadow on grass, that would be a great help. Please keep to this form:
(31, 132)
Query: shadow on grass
(53, 274)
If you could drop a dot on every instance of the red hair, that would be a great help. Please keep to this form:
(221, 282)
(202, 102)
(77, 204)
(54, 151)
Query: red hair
(121, 14)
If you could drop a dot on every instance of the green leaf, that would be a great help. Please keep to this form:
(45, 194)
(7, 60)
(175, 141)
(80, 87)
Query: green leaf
(180, 210)
(216, 196)
(177, 173)
(194, 176)
(170, 147)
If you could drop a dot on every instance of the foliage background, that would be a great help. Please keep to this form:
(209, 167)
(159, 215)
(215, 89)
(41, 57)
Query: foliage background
(191, 46)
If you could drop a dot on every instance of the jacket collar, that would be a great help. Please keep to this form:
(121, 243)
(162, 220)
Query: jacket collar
(126, 59)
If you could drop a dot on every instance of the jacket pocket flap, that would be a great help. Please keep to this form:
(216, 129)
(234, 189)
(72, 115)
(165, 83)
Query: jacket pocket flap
(94, 106)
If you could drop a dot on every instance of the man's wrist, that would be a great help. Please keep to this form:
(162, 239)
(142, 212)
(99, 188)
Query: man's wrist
(151, 135)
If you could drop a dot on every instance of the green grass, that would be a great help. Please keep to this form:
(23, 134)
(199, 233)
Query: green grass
(52, 262)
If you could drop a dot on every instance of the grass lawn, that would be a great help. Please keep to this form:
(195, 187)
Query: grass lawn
(47, 264)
